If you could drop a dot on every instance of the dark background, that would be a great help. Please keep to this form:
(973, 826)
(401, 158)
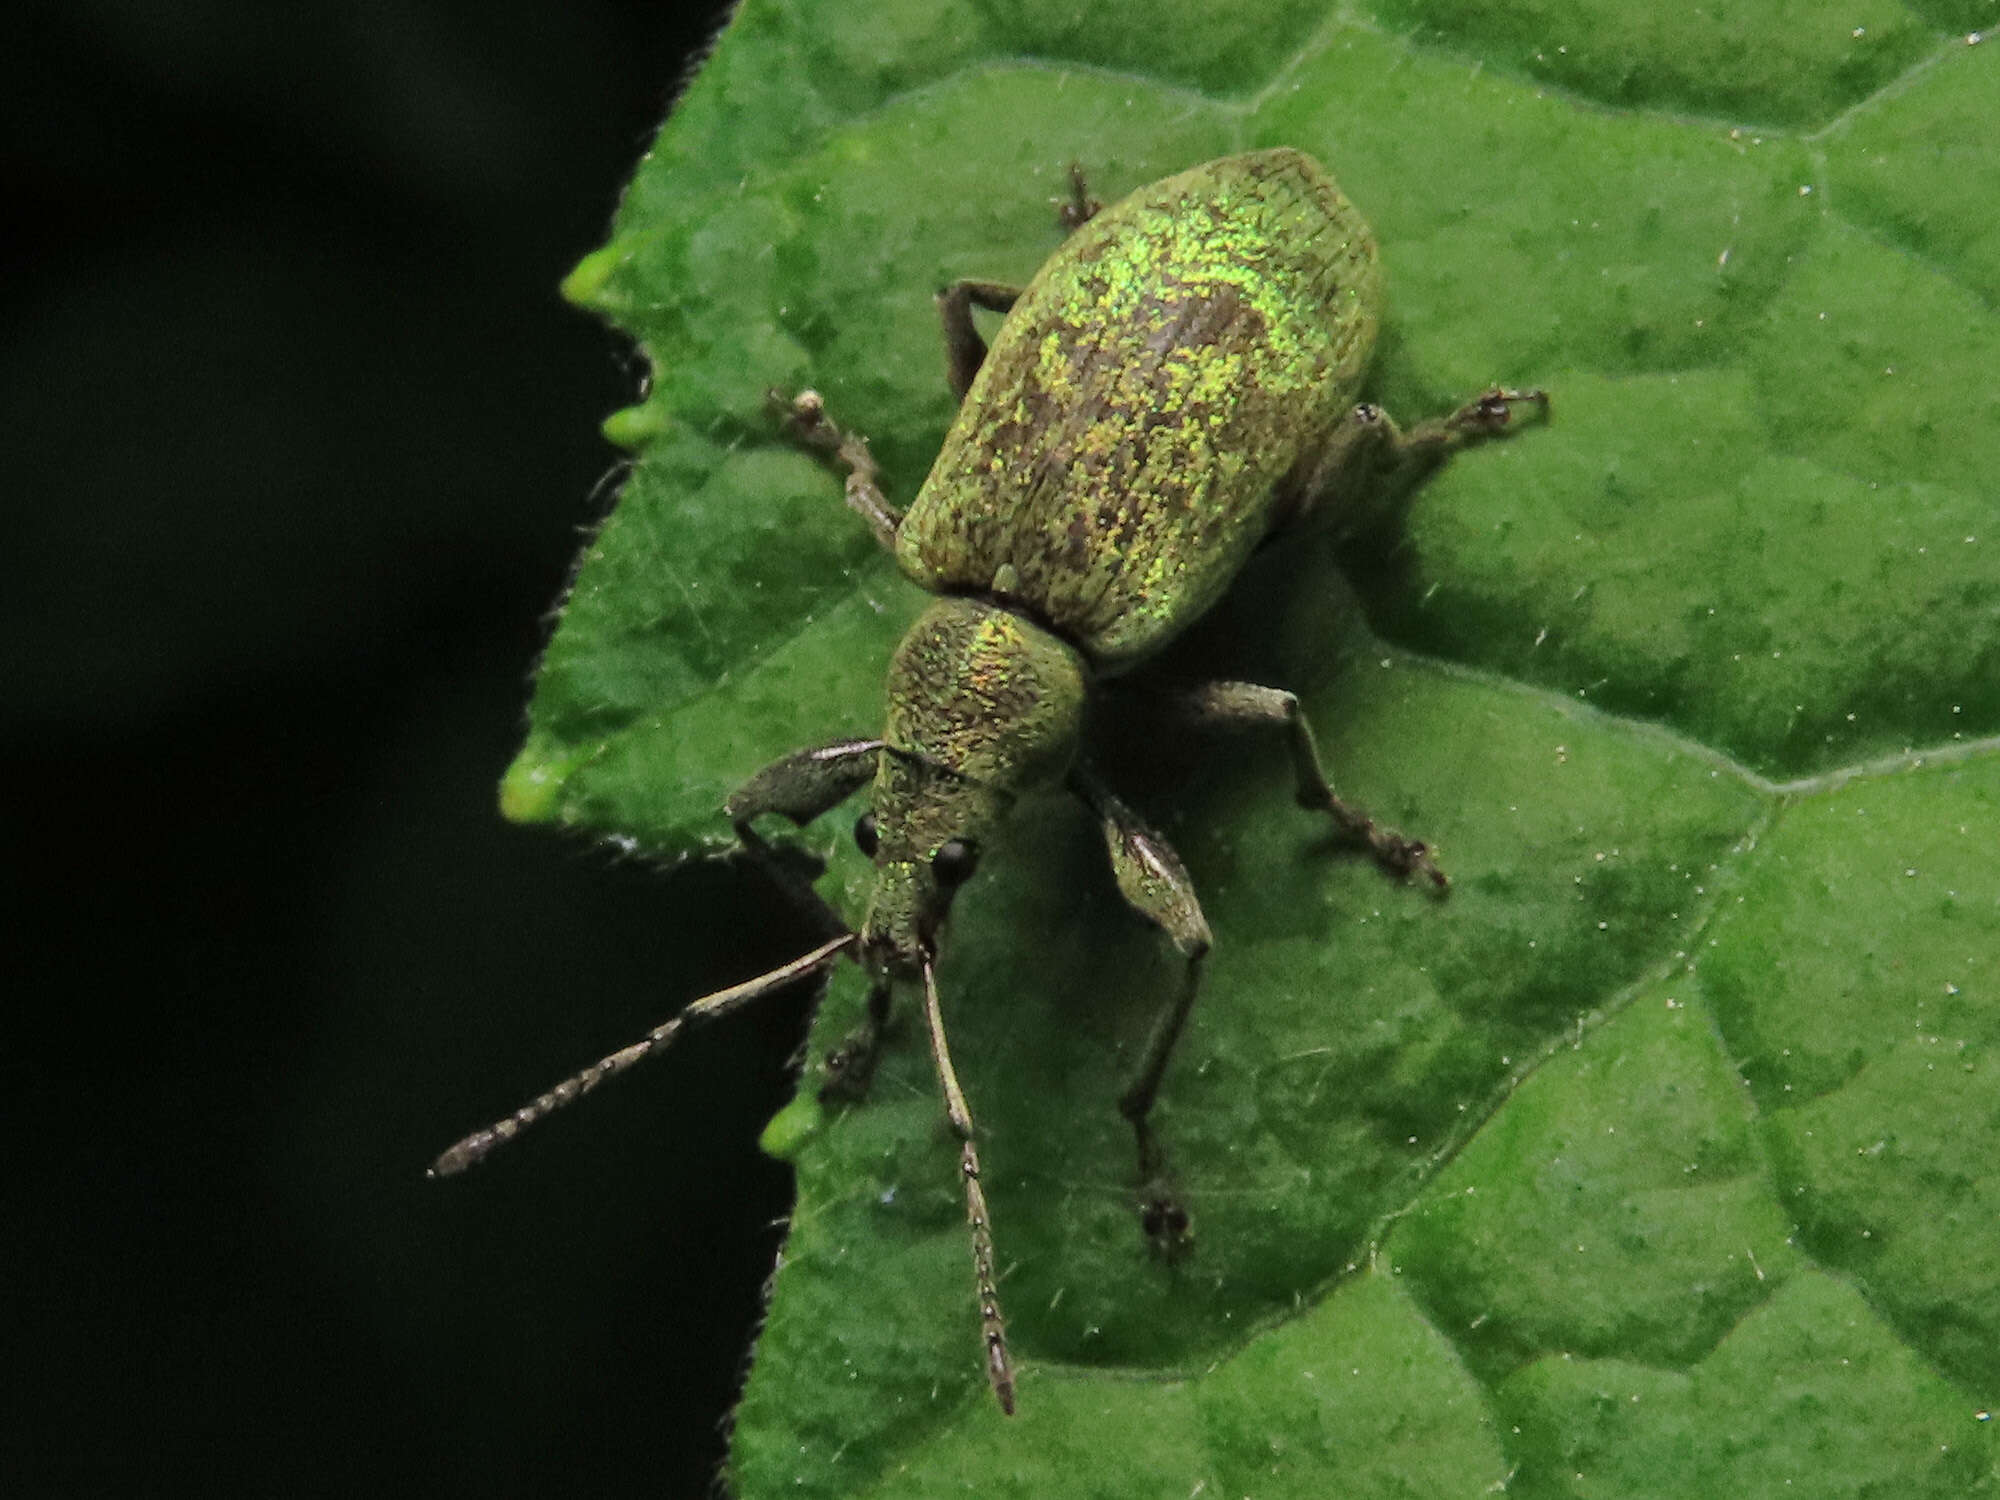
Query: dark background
(297, 441)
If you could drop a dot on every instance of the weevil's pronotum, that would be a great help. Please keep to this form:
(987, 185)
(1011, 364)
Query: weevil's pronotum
(1175, 387)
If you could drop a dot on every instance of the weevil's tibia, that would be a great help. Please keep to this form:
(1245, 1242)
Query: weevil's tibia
(964, 349)
(992, 1328)
(476, 1146)
(1246, 705)
(808, 425)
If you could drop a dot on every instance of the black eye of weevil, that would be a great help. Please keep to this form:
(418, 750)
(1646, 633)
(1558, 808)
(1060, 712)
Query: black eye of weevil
(864, 834)
(954, 862)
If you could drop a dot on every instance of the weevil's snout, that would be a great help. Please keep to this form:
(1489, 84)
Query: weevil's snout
(922, 835)
(900, 931)
(911, 900)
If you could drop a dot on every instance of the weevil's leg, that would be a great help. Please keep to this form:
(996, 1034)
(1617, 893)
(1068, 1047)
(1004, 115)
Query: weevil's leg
(850, 1067)
(1369, 458)
(1246, 705)
(476, 1146)
(964, 349)
(1155, 884)
(1079, 208)
(800, 787)
(992, 1328)
(808, 425)
(1486, 415)
(803, 784)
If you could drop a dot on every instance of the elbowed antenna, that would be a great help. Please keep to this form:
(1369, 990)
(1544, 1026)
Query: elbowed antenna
(992, 1327)
(475, 1146)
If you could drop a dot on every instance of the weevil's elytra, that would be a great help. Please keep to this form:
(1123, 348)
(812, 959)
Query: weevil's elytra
(1174, 387)
(1148, 402)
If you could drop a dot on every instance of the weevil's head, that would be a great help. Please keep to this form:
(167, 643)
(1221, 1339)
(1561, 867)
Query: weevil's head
(983, 705)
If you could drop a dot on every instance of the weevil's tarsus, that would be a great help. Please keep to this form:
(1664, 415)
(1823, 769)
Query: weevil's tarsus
(806, 422)
(964, 349)
(1486, 415)
(992, 1327)
(1491, 410)
(1165, 1221)
(1076, 208)
(476, 1146)
(850, 1066)
(1245, 705)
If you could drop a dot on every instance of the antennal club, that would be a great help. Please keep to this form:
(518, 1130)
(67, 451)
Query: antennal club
(475, 1147)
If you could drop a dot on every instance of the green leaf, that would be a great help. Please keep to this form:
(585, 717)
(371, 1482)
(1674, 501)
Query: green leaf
(1660, 1158)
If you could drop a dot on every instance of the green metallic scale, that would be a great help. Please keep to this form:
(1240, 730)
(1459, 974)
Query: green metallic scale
(1176, 385)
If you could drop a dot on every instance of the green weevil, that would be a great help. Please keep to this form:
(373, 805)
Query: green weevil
(1174, 388)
